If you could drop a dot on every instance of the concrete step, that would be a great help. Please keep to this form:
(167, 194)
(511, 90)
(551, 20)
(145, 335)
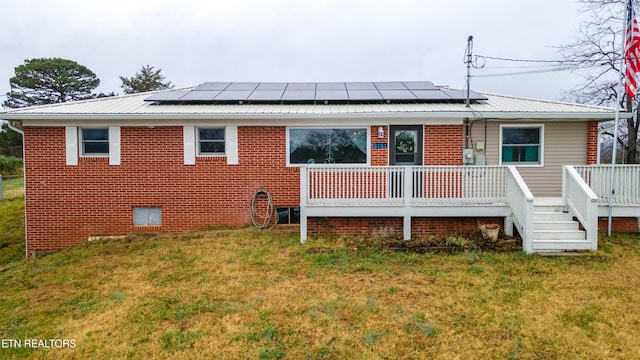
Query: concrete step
(556, 225)
(558, 235)
(555, 245)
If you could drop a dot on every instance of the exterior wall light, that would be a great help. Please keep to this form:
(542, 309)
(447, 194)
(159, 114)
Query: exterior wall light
(380, 132)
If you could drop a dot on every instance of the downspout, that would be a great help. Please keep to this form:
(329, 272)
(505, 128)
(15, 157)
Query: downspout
(21, 132)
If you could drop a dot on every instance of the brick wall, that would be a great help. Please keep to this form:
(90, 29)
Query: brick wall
(67, 204)
(379, 157)
(443, 144)
(592, 142)
(619, 224)
(392, 227)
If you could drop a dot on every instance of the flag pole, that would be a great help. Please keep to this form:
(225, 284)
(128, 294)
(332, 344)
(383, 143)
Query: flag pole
(628, 17)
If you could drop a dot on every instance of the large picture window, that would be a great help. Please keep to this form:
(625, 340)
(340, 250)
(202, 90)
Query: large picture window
(328, 146)
(522, 145)
(95, 141)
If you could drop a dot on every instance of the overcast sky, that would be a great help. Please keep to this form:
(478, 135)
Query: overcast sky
(294, 40)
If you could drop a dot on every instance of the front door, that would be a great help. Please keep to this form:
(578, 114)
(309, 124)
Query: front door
(405, 143)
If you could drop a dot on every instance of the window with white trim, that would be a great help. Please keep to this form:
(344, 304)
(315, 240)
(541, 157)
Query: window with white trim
(94, 141)
(521, 145)
(211, 141)
(328, 146)
(147, 216)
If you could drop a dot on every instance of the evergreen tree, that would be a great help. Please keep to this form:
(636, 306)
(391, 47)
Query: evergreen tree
(48, 81)
(147, 79)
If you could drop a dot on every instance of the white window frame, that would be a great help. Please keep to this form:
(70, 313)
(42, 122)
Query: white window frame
(81, 141)
(523, 126)
(191, 144)
(224, 140)
(288, 138)
(146, 209)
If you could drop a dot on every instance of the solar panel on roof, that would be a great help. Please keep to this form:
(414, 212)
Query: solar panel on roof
(396, 91)
(298, 95)
(266, 95)
(361, 95)
(430, 94)
(397, 95)
(196, 95)
(271, 86)
(360, 86)
(331, 95)
(212, 86)
(233, 95)
(173, 95)
(301, 86)
(242, 86)
(330, 86)
(391, 85)
(420, 85)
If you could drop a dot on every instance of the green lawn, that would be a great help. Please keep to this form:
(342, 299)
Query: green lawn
(13, 187)
(236, 294)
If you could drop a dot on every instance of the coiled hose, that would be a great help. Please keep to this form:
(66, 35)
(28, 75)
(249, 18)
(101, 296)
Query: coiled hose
(270, 218)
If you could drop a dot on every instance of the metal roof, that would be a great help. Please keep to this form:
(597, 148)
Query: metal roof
(134, 107)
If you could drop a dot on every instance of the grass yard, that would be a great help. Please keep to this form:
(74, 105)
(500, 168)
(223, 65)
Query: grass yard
(13, 187)
(236, 294)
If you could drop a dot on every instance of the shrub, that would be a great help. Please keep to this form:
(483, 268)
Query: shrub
(10, 165)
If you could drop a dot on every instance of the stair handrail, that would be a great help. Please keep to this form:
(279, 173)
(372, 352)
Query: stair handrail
(582, 202)
(520, 201)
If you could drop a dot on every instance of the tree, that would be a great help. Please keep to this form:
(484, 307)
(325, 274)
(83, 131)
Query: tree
(147, 79)
(49, 81)
(596, 54)
(10, 142)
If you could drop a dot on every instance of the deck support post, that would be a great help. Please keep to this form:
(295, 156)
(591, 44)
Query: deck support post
(406, 228)
(304, 194)
(508, 225)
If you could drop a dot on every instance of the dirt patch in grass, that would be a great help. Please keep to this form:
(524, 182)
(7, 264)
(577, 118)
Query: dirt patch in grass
(469, 241)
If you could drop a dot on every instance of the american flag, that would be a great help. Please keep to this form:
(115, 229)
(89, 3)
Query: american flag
(631, 52)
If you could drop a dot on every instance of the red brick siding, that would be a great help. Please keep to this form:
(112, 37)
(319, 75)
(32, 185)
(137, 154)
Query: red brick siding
(592, 142)
(443, 144)
(67, 204)
(392, 227)
(379, 157)
(619, 224)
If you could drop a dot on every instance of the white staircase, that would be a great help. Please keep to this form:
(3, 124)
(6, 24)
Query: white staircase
(554, 228)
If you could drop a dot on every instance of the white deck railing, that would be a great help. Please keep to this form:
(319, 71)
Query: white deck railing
(626, 182)
(400, 186)
(520, 200)
(458, 185)
(352, 186)
(582, 202)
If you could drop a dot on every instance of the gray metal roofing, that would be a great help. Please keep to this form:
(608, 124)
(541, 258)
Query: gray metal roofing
(134, 106)
(283, 92)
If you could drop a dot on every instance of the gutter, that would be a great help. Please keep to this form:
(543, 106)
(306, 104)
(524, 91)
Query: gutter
(10, 125)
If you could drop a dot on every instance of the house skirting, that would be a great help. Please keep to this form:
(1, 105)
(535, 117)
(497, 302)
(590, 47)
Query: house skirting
(421, 227)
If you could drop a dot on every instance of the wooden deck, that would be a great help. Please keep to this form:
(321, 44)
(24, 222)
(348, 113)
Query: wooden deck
(464, 191)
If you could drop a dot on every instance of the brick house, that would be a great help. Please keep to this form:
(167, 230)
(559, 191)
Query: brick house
(403, 159)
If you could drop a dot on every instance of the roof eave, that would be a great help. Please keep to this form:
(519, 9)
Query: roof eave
(511, 115)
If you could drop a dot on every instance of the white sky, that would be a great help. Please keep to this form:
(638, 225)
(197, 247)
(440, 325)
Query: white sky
(293, 40)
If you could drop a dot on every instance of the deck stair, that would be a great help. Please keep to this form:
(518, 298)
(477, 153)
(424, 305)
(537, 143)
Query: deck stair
(554, 228)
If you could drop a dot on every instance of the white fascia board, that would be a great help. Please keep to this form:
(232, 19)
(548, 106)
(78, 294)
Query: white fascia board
(434, 118)
(232, 120)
